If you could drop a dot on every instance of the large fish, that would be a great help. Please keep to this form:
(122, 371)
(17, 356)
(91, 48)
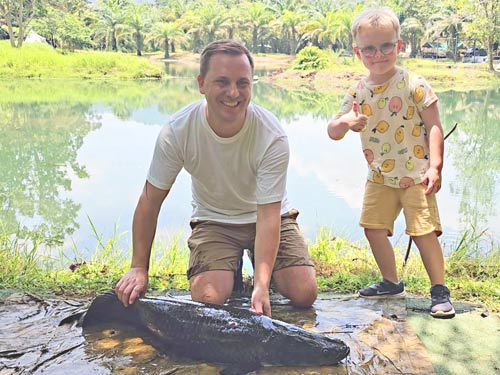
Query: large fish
(236, 338)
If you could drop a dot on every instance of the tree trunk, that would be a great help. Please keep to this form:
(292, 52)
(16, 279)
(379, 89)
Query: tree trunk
(21, 24)
(12, 37)
(138, 43)
(167, 54)
(490, 55)
(254, 39)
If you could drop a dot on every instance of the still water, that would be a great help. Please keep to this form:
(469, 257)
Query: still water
(74, 156)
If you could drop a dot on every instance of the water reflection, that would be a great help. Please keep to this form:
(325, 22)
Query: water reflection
(73, 150)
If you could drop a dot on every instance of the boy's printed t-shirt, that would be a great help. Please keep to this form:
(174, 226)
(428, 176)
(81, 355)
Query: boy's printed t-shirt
(394, 141)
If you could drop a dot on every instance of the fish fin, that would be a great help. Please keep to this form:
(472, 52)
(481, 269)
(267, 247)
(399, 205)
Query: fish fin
(107, 307)
(77, 317)
(240, 368)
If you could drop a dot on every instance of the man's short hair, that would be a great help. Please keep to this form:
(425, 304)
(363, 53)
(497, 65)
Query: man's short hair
(225, 46)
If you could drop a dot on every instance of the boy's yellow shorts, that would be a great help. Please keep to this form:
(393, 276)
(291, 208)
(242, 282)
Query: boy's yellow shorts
(382, 205)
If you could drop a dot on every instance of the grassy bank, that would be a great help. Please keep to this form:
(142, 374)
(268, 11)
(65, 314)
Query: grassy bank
(342, 267)
(42, 61)
(341, 72)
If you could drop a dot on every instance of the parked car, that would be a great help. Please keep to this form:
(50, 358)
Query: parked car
(475, 55)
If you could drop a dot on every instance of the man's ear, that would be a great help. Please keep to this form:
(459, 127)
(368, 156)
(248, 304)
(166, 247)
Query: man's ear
(200, 80)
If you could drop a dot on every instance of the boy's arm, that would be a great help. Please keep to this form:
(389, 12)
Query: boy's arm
(432, 122)
(353, 120)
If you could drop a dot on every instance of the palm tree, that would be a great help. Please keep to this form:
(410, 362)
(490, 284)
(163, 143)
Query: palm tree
(256, 17)
(210, 21)
(412, 30)
(291, 22)
(112, 15)
(167, 33)
(138, 20)
(324, 30)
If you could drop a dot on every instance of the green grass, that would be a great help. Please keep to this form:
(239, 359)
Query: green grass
(42, 61)
(342, 267)
(471, 268)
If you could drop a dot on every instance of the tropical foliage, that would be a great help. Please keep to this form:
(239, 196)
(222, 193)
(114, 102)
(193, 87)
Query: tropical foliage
(284, 26)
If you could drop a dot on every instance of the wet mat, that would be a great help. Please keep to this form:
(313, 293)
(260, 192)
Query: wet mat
(32, 342)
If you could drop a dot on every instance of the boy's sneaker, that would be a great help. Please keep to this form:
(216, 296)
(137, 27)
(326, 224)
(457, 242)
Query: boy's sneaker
(441, 306)
(384, 289)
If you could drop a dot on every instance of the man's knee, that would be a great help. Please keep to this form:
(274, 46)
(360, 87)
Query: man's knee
(304, 297)
(208, 297)
(211, 287)
(298, 284)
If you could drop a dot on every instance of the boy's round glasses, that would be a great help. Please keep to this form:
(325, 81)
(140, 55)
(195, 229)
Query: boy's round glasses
(385, 49)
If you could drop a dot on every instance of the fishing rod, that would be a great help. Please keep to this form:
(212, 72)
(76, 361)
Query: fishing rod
(410, 241)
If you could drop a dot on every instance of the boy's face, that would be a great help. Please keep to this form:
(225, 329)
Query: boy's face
(378, 48)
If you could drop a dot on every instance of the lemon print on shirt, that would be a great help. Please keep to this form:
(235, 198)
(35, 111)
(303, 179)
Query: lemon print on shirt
(381, 127)
(366, 109)
(379, 89)
(417, 130)
(409, 113)
(378, 178)
(418, 94)
(399, 136)
(419, 152)
(388, 165)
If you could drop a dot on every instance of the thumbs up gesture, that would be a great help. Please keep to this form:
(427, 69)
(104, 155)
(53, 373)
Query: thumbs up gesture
(355, 120)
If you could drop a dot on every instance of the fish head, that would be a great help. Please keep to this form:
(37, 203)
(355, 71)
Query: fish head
(305, 348)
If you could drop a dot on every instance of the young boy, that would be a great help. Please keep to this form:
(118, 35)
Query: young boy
(397, 116)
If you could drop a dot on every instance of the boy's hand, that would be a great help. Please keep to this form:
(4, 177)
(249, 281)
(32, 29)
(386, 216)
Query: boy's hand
(432, 181)
(355, 120)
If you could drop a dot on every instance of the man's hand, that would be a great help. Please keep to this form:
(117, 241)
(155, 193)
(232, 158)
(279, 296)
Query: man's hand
(132, 285)
(260, 301)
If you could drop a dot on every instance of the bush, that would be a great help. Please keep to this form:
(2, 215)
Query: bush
(310, 58)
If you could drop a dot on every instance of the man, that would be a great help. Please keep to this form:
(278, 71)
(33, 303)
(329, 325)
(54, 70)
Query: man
(237, 155)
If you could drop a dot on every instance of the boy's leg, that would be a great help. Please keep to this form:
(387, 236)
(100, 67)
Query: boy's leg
(423, 224)
(294, 275)
(432, 257)
(383, 252)
(381, 206)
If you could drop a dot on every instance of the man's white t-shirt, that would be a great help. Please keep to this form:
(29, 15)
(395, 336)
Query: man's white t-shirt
(230, 176)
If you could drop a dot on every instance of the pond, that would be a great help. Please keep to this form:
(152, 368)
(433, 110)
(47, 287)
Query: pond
(74, 156)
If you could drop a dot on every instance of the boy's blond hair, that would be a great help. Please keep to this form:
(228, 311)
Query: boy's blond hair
(375, 18)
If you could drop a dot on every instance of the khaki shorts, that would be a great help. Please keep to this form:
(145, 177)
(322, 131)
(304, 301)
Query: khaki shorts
(382, 205)
(219, 246)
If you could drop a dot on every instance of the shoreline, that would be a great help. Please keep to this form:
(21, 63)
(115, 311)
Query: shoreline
(443, 75)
